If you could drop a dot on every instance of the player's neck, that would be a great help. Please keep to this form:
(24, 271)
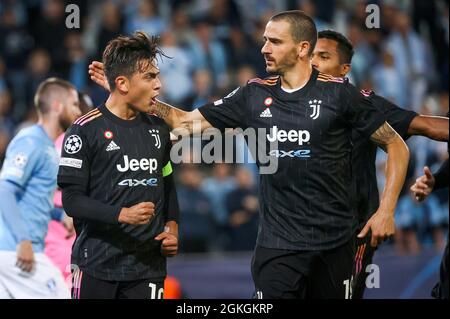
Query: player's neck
(119, 107)
(51, 127)
(296, 77)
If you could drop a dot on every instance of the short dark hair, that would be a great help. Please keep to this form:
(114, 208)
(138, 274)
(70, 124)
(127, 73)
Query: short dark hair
(344, 46)
(303, 27)
(126, 55)
(49, 90)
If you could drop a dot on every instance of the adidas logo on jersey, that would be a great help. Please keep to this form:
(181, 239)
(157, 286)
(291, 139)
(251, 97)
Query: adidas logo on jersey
(112, 147)
(266, 113)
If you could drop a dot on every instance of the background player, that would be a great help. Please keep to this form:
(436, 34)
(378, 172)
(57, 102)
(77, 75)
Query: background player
(117, 186)
(27, 184)
(305, 212)
(423, 187)
(332, 55)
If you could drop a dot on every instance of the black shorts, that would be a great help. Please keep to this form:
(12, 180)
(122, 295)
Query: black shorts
(362, 259)
(85, 286)
(287, 274)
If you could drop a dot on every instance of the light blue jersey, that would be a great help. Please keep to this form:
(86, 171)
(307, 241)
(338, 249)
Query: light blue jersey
(29, 173)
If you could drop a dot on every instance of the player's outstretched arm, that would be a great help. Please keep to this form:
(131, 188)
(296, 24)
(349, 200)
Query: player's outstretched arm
(97, 75)
(183, 123)
(433, 127)
(382, 223)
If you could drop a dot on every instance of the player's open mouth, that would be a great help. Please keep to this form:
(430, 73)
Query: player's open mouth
(153, 101)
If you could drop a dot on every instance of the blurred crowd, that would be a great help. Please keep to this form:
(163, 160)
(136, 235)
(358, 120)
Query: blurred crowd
(213, 46)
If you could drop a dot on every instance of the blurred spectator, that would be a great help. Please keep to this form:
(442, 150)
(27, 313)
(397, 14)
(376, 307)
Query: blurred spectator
(195, 212)
(309, 7)
(364, 56)
(15, 41)
(243, 74)
(50, 30)
(39, 67)
(436, 220)
(224, 15)
(408, 216)
(6, 122)
(411, 63)
(243, 205)
(216, 188)
(4, 141)
(427, 13)
(3, 84)
(77, 60)
(203, 89)
(181, 27)
(111, 26)
(388, 82)
(208, 53)
(15, 44)
(146, 19)
(242, 50)
(175, 70)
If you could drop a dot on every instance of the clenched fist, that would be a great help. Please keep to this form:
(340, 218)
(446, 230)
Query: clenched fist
(139, 214)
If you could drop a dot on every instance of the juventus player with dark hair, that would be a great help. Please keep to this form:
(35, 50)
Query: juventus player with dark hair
(333, 55)
(117, 185)
(307, 221)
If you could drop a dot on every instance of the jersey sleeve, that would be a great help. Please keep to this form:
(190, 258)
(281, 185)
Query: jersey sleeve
(75, 159)
(398, 118)
(170, 194)
(359, 111)
(228, 112)
(22, 158)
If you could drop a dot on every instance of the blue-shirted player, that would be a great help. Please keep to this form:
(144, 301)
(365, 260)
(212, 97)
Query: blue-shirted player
(27, 185)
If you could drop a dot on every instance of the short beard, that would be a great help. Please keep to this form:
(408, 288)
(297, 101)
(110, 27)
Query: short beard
(64, 122)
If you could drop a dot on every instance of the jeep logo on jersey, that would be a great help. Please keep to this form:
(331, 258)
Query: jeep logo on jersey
(315, 104)
(145, 164)
(155, 134)
(300, 136)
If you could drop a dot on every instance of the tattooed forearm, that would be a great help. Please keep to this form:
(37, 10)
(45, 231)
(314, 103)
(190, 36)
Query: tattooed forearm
(161, 109)
(384, 135)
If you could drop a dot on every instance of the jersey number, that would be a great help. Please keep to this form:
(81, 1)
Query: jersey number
(153, 288)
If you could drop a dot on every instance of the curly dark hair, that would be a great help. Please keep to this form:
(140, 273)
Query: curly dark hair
(126, 55)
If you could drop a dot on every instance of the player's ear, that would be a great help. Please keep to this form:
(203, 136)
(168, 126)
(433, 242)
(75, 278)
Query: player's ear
(303, 49)
(345, 69)
(57, 106)
(122, 84)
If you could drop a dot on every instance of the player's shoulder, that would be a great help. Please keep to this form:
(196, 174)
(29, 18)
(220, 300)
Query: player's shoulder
(84, 122)
(28, 145)
(368, 93)
(28, 137)
(88, 119)
(329, 79)
(269, 81)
